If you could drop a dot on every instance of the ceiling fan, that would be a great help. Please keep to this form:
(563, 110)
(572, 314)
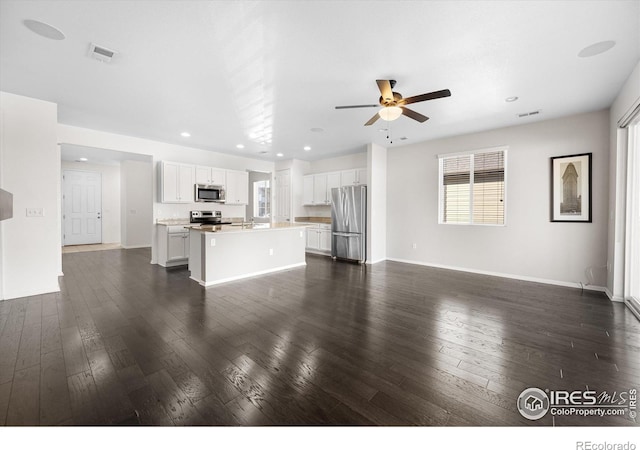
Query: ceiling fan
(393, 105)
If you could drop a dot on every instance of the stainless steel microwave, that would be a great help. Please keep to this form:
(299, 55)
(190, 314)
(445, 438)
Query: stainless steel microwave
(209, 193)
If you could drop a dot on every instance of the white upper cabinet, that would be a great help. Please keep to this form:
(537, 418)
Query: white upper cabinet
(307, 190)
(176, 182)
(237, 187)
(210, 175)
(353, 177)
(333, 181)
(317, 188)
(320, 189)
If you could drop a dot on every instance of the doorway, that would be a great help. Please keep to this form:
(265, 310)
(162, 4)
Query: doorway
(259, 206)
(82, 207)
(282, 196)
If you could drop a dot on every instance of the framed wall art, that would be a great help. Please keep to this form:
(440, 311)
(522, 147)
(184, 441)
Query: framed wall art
(571, 188)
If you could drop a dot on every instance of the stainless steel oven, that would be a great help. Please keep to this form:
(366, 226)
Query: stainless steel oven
(209, 193)
(207, 218)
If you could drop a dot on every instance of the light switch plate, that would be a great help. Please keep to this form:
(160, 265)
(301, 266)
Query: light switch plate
(35, 212)
(213, 242)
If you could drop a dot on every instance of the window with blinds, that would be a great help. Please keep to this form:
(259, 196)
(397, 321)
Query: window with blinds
(472, 188)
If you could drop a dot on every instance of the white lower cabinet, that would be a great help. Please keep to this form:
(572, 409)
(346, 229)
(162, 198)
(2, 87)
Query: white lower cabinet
(173, 246)
(319, 238)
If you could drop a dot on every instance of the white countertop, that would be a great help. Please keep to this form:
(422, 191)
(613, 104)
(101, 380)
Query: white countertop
(171, 222)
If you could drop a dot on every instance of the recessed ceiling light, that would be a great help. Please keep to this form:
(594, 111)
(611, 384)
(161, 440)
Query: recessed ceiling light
(307, 148)
(185, 134)
(511, 99)
(280, 155)
(253, 135)
(239, 146)
(44, 29)
(317, 130)
(596, 49)
(82, 160)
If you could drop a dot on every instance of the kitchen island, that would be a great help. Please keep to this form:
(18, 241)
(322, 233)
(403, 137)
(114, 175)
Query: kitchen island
(223, 253)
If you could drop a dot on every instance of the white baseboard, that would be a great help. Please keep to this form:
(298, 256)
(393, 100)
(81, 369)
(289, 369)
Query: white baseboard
(634, 306)
(505, 275)
(376, 261)
(129, 247)
(613, 298)
(247, 275)
(31, 292)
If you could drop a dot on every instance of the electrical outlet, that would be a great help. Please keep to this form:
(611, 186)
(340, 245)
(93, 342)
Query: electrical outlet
(213, 242)
(270, 252)
(35, 212)
(415, 246)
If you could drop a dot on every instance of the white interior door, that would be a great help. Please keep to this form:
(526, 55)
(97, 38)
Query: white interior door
(282, 190)
(82, 205)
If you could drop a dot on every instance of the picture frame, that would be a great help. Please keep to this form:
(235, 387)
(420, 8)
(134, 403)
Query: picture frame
(571, 188)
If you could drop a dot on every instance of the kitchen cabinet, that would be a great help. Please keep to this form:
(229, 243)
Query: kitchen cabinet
(317, 188)
(325, 238)
(210, 175)
(353, 177)
(320, 190)
(176, 182)
(237, 187)
(319, 238)
(307, 190)
(173, 245)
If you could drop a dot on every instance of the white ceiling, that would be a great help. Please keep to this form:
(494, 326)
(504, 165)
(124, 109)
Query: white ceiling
(102, 156)
(245, 72)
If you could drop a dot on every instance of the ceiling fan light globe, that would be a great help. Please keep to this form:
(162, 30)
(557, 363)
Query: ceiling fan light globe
(390, 113)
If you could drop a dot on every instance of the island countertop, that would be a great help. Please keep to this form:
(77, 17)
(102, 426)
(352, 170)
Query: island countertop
(222, 253)
(247, 228)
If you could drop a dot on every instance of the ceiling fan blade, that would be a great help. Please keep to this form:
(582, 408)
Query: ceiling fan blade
(424, 97)
(385, 89)
(414, 115)
(357, 106)
(372, 120)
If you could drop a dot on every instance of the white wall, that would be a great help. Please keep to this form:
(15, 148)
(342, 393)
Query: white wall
(628, 95)
(353, 161)
(529, 246)
(110, 196)
(137, 203)
(376, 203)
(30, 165)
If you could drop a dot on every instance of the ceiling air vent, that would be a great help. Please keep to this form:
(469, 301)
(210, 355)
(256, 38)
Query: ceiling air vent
(101, 54)
(527, 114)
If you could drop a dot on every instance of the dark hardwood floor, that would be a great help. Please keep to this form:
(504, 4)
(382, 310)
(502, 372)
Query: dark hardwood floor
(126, 342)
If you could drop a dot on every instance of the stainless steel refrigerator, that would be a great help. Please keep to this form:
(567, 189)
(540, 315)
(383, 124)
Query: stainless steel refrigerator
(349, 223)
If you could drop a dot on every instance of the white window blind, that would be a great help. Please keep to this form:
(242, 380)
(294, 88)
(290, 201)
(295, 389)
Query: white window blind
(472, 188)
